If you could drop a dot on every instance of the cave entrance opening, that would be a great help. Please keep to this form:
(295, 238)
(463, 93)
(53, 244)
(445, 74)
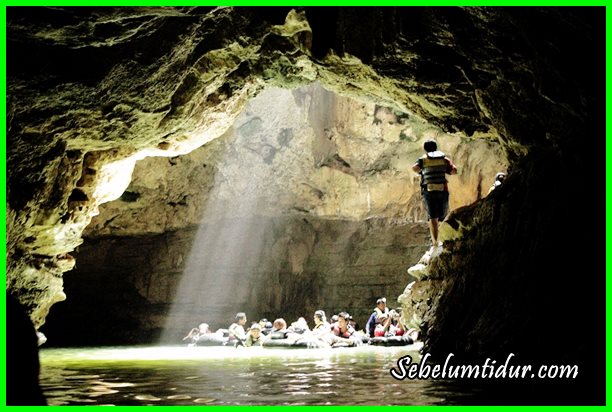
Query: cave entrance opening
(293, 159)
(308, 201)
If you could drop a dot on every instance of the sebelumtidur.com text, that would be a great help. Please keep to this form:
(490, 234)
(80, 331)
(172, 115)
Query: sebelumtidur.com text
(489, 369)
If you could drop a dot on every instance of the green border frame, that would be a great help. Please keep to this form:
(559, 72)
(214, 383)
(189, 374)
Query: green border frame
(608, 150)
(3, 199)
(309, 3)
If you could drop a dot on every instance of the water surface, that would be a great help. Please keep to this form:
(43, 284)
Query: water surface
(230, 376)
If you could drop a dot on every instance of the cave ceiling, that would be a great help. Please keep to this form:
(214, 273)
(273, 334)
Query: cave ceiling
(91, 90)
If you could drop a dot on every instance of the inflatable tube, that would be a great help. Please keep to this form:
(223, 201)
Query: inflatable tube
(278, 335)
(392, 341)
(294, 344)
(360, 339)
(212, 339)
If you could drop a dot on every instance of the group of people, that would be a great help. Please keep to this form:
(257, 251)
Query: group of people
(340, 330)
(433, 167)
(384, 322)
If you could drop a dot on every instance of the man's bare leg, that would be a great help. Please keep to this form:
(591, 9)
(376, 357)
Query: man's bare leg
(433, 231)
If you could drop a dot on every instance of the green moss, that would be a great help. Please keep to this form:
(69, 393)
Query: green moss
(404, 137)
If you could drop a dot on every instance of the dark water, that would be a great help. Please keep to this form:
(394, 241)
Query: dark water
(231, 376)
(258, 376)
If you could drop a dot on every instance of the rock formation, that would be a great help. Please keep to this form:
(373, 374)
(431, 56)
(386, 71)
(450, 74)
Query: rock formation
(93, 90)
(317, 187)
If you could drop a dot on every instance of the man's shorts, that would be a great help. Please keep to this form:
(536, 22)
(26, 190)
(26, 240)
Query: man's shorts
(436, 203)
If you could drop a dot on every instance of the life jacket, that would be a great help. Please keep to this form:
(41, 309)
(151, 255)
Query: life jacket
(236, 331)
(433, 170)
(324, 326)
(347, 334)
(379, 331)
(380, 312)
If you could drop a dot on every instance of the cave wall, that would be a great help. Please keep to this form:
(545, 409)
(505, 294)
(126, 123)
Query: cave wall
(104, 99)
(322, 186)
(307, 151)
(131, 289)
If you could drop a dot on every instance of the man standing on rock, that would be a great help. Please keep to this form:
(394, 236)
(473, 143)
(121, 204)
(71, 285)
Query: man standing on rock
(433, 167)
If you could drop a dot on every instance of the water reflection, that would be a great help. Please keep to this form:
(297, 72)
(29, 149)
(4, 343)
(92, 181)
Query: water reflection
(227, 376)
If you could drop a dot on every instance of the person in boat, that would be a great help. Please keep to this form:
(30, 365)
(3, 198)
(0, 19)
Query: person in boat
(396, 325)
(266, 326)
(371, 324)
(334, 322)
(195, 334)
(299, 326)
(236, 329)
(279, 329)
(375, 318)
(254, 336)
(389, 325)
(279, 325)
(343, 332)
(203, 335)
(381, 307)
(321, 327)
(383, 327)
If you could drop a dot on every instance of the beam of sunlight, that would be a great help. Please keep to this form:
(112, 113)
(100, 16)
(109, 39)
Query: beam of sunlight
(229, 239)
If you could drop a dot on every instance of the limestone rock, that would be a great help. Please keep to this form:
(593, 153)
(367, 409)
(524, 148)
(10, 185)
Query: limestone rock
(419, 271)
(291, 141)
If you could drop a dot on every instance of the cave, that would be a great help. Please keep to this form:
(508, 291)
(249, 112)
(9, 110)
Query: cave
(273, 146)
